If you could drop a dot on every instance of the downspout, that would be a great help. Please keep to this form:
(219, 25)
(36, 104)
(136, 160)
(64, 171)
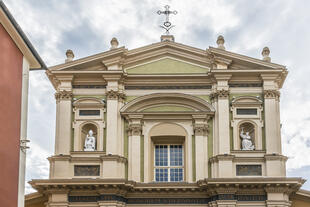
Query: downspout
(23, 134)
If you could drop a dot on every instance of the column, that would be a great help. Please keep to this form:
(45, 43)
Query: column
(134, 153)
(200, 127)
(63, 122)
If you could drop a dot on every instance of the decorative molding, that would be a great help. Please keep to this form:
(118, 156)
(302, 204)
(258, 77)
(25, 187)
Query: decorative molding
(116, 158)
(63, 95)
(245, 85)
(271, 94)
(89, 86)
(166, 87)
(275, 157)
(166, 201)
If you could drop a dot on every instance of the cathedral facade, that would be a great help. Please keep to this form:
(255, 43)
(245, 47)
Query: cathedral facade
(167, 125)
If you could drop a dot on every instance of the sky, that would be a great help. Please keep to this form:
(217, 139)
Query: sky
(87, 26)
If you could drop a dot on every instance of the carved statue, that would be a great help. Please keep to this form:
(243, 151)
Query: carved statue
(246, 141)
(90, 142)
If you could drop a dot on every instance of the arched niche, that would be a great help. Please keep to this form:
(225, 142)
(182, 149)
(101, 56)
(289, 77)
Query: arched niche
(85, 128)
(247, 128)
(247, 112)
(88, 114)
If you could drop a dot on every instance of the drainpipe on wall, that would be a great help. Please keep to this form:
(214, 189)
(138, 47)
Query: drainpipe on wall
(23, 134)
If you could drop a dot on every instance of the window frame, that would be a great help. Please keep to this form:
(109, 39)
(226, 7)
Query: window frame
(169, 167)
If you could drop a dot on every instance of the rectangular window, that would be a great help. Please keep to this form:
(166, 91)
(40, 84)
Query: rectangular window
(247, 111)
(169, 164)
(89, 112)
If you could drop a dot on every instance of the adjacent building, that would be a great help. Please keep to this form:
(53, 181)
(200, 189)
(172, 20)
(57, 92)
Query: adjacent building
(17, 57)
(168, 124)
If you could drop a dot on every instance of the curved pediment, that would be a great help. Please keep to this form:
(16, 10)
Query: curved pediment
(88, 102)
(167, 102)
(247, 100)
(167, 65)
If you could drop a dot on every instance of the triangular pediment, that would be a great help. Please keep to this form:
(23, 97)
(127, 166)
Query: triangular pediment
(167, 65)
(166, 58)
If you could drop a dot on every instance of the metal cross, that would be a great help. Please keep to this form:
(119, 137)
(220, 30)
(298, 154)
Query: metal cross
(167, 25)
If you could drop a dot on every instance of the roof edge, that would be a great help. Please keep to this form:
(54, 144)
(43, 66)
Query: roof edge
(23, 36)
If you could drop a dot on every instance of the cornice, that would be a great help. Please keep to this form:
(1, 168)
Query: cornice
(100, 56)
(245, 58)
(212, 186)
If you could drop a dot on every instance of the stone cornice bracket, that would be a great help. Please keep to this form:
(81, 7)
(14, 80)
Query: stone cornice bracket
(271, 94)
(63, 95)
(135, 125)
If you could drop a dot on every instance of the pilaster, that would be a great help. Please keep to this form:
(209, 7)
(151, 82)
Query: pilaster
(134, 154)
(272, 114)
(278, 196)
(220, 95)
(57, 199)
(63, 98)
(201, 128)
(114, 96)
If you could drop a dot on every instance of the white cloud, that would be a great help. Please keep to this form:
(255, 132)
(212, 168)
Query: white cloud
(36, 164)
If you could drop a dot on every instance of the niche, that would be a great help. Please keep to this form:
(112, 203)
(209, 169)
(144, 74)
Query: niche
(85, 131)
(247, 136)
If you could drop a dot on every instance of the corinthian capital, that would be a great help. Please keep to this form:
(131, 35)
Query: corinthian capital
(219, 94)
(201, 129)
(135, 125)
(115, 95)
(271, 94)
(135, 129)
(63, 95)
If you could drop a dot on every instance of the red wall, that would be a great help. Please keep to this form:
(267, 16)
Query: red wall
(11, 60)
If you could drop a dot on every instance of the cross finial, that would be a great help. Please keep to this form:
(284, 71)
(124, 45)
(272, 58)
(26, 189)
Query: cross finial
(167, 25)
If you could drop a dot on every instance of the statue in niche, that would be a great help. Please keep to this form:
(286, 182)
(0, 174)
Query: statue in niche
(90, 142)
(246, 140)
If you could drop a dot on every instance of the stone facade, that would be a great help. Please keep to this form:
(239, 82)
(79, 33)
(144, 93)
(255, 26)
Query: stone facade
(167, 120)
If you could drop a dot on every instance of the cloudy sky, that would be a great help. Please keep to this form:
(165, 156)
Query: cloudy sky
(87, 26)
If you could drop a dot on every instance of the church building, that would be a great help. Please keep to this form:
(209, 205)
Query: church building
(168, 124)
